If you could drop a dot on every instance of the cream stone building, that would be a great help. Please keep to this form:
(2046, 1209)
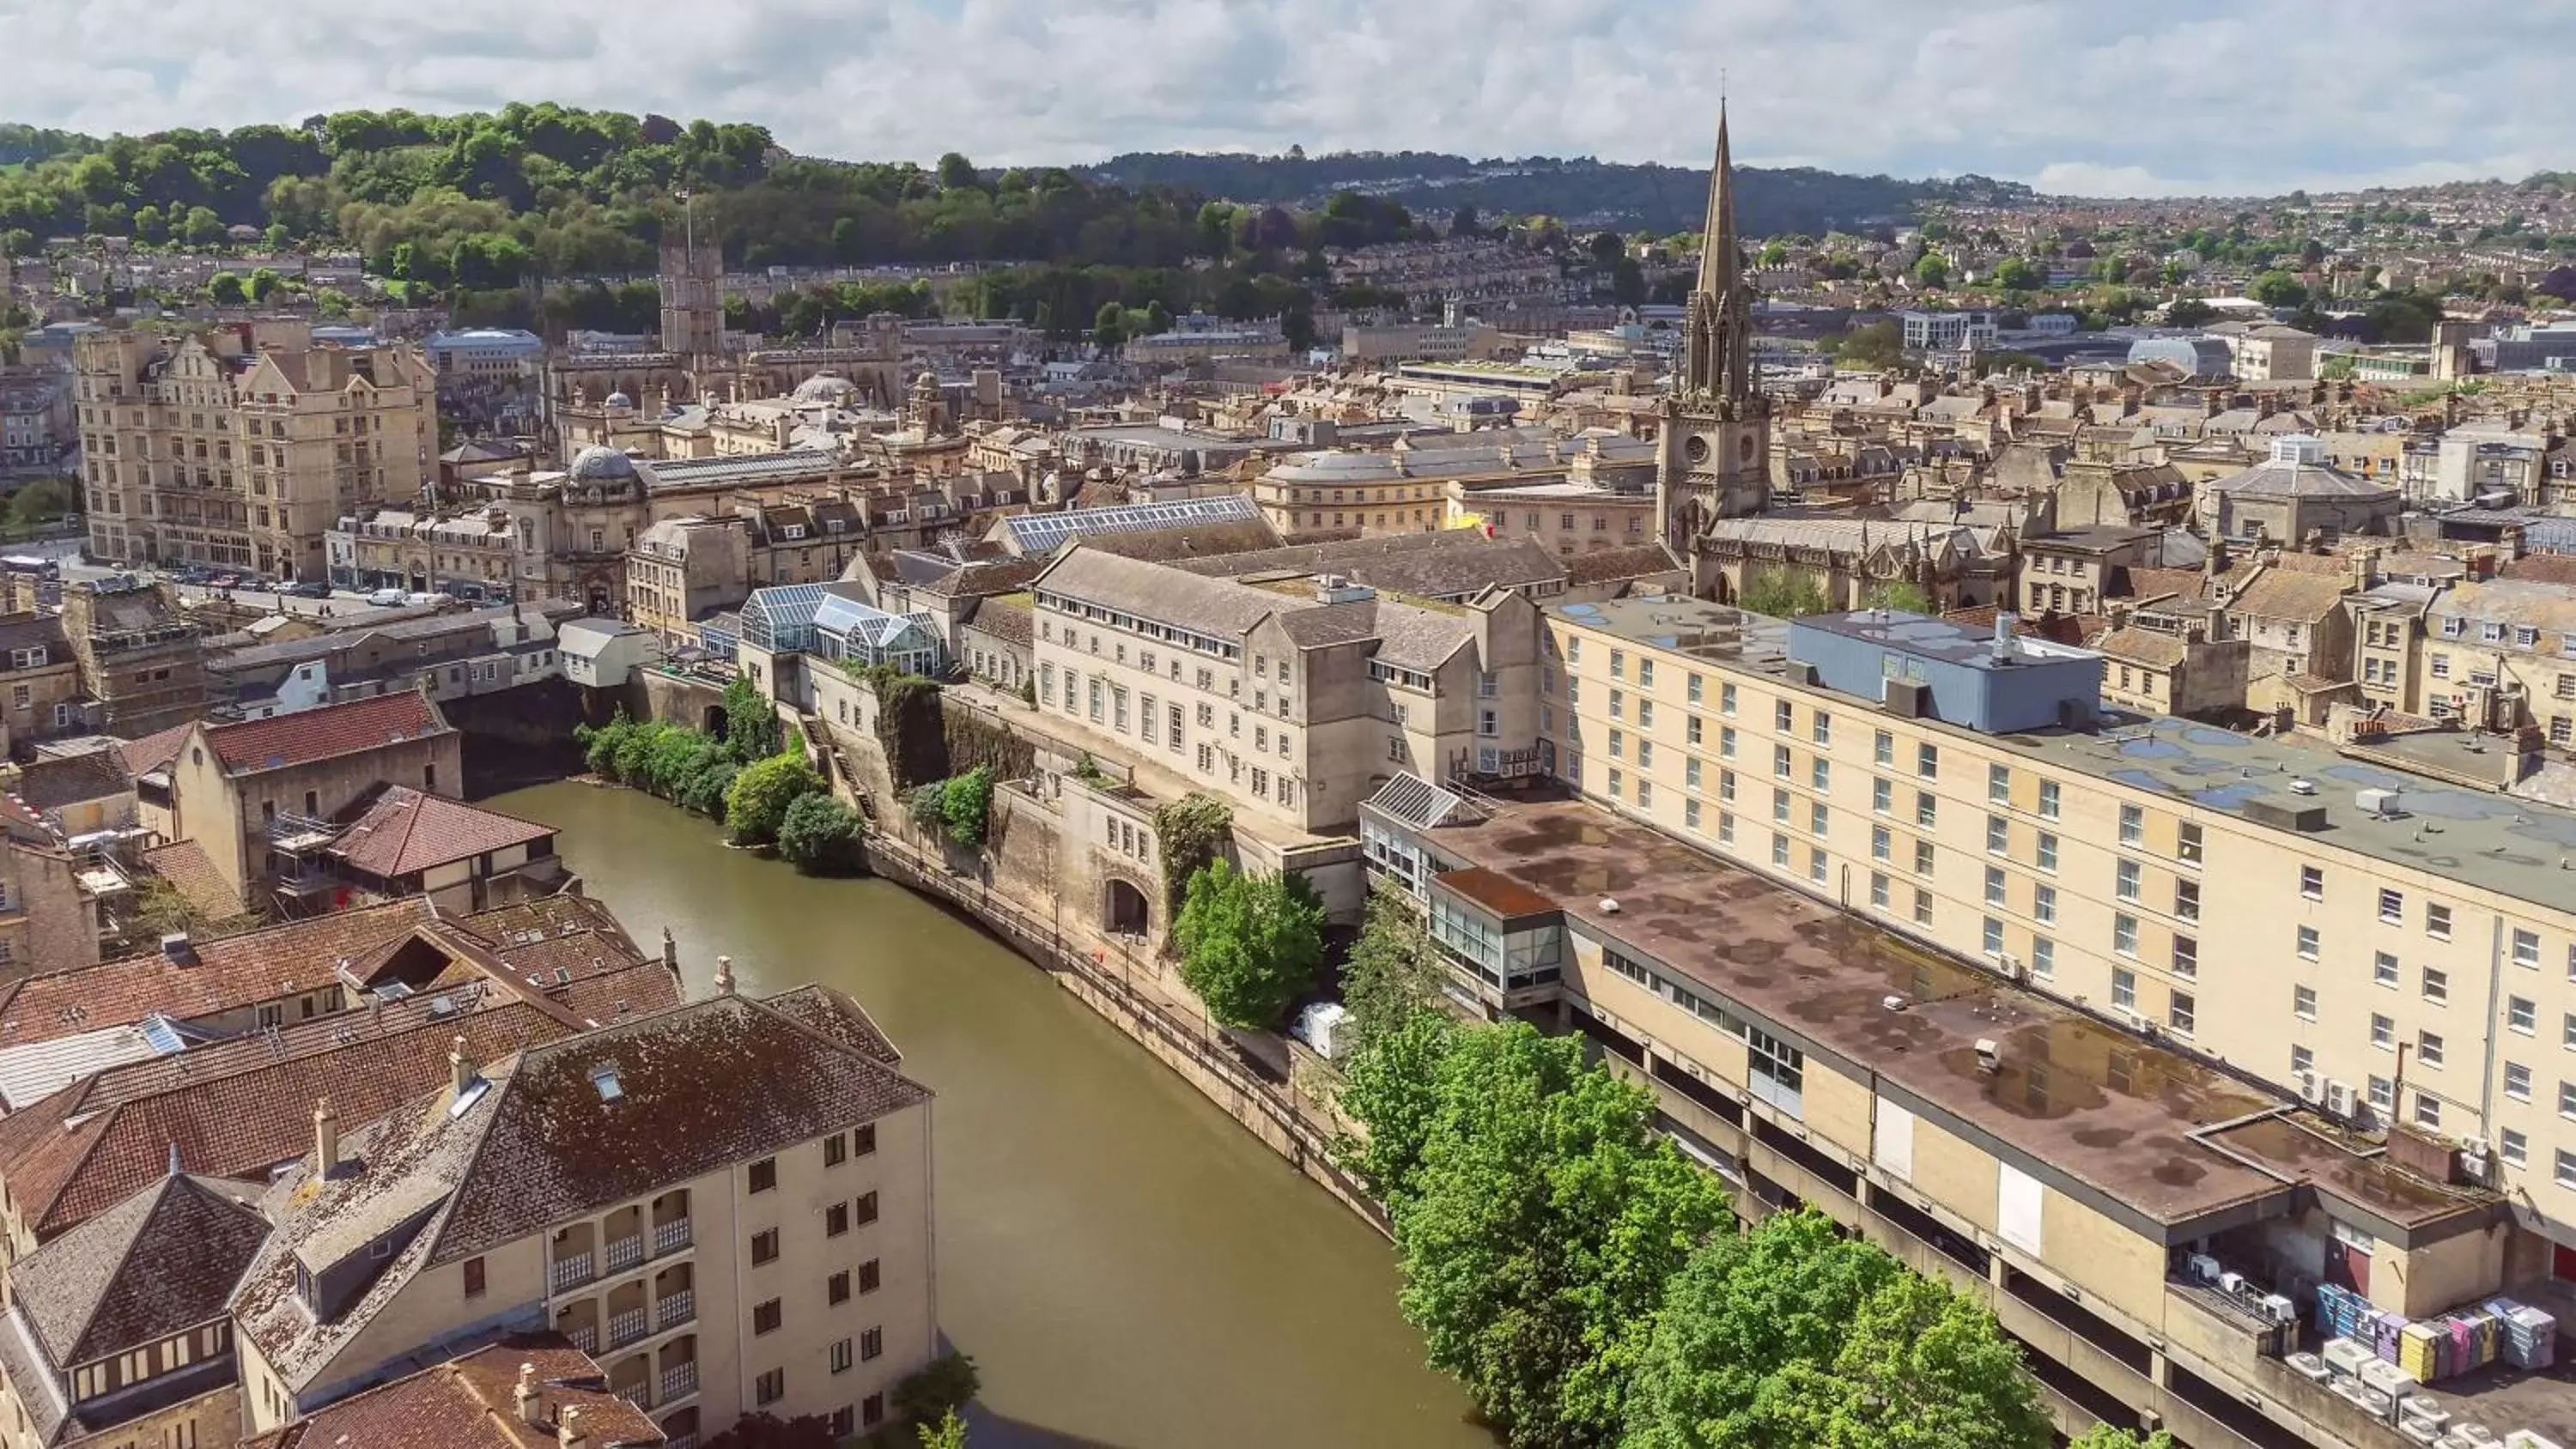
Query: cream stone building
(240, 447)
(1292, 703)
(2056, 1005)
(727, 1204)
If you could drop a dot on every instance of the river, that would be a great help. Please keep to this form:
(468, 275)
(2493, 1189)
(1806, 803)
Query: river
(1127, 1266)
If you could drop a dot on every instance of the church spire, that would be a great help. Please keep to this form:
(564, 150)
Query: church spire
(1720, 260)
(1718, 332)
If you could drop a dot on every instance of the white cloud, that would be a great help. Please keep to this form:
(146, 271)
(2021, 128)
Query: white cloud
(2192, 95)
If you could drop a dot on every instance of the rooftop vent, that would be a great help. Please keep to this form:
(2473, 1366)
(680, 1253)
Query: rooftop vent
(1609, 906)
(179, 948)
(603, 1078)
(1990, 1056)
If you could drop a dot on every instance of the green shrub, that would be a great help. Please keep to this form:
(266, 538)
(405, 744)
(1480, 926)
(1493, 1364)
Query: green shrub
(819, 834)
(756, 805)
(966, 804)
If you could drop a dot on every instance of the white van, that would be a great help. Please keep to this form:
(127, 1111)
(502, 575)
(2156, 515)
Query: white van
(389, 598)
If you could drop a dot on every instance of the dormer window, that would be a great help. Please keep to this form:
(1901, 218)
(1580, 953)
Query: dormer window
(603, 1079)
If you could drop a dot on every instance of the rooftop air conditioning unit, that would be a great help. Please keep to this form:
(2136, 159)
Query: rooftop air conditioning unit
(2339, 1098)
(2312, 1088)
(2231, 1282)
(2277, 1308)
(2204, 1268)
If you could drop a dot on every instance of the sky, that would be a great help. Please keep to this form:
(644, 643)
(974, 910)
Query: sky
(2183, 97)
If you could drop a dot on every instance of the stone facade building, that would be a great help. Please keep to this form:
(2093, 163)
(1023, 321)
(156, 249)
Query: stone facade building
(240, 447)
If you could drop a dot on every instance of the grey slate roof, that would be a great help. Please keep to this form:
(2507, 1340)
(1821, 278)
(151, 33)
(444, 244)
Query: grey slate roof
(1153, 591)
(701, 1086)
(163, 1260)
(1448, 564)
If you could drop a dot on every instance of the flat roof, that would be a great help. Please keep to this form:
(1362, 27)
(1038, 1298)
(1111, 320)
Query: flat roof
(2487, 840)
(2073, 1097)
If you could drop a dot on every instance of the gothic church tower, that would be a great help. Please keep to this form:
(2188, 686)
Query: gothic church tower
(1716, 426)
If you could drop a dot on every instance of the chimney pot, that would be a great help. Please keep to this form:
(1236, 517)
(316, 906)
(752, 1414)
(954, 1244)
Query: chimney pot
(568, 1430)
(724, 975)
(529, 1397)
(326, 1137)
(460, 1067)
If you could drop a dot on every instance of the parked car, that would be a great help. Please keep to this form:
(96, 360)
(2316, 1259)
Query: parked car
(224, 581)
(311, 589)
(389, 598)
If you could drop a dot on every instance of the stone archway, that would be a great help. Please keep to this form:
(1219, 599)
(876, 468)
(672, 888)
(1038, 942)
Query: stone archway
(1125, 909)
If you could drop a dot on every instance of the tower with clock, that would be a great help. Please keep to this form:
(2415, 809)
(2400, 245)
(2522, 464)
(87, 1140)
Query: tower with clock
(1715, 427)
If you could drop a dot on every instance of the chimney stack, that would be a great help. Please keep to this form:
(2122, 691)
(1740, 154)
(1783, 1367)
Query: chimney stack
(724, 976)
(326, 1138)
(670, 952)
(529, 1397)
(569, 1432)
(2003, 636)
(460, 1067)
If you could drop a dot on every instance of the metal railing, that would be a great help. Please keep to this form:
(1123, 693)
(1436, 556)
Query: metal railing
(624, 1253)
(571, 1272)
(640, 1395)
(624, 1328)
(674, 1309)
(585, 1338)
(670, 1237)
(679, 1381)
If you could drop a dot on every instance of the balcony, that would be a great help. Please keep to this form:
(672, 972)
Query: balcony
(640, 1395)
(625, 1328)
(572, 1272)
(585, 1338)
(679, 1381)
(670, 1237)
(624, 1253)
(674, 1309)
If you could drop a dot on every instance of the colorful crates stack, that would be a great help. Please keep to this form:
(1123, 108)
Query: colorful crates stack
(2438, 1348)
(2530, 1334)
(2340, 1313)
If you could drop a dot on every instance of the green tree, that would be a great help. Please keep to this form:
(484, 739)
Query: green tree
(1249, 944)
(956, 173)
(1782, 593)
(2016, 274)
(948, 1433)
(1109, 327)
(1902, 594)
(2111, 1436)
(938, 1388)
(1391, 1087)
(1872, 344)
(1546, 1217)
(819, 835)
(1739, 1313)
(225, 289)
(751, 722)
(1924, 1368)
(757, 804)
(965, 806)
(1932, 271)
(201, 228)
(2277, 289)
(1393, 974)
(2188, 312)
(263, 282)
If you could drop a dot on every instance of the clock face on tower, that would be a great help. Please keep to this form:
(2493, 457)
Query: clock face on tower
(1744, 447)
(1695, 448)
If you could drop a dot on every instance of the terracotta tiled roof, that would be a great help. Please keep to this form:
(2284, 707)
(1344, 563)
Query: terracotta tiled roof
(229, 973)
(405, 831)
(2143, 646)
(469, 1403)
(319, 734)
(2305, 598)
(153, 751)
(186, 866)
(2541, 568)
(239, 1115)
